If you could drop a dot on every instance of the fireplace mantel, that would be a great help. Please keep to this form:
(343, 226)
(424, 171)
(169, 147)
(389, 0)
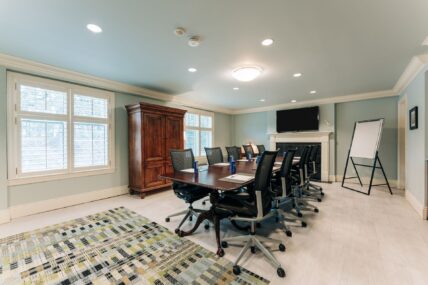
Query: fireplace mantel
(307, 137)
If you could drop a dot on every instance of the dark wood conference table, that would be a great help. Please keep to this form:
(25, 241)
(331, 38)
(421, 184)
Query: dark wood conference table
(210, 177)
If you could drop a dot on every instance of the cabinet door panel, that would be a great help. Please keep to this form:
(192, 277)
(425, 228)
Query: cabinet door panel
(151, 174)
(173, 135)
(153, 136)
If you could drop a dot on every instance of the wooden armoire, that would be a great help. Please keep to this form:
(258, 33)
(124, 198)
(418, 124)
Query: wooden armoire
(152, 130)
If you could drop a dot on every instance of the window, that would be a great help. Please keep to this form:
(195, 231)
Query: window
(57, 130)
(198, 132)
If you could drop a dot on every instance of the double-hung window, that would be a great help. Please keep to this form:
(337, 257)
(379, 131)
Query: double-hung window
(198, 132)
(57, 130)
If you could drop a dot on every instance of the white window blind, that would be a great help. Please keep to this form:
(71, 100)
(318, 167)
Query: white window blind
(198, 132)
(56, 128)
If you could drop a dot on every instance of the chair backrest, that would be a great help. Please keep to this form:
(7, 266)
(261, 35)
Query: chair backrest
(303, 157)
(314, 153)
(182, 159)
(287, 163)
(214, 155)
(262, 182)
(248, 149)
(233, 151)
(261, 148)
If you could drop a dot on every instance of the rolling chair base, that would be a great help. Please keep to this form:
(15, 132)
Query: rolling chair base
(252, 242)
(188, 215)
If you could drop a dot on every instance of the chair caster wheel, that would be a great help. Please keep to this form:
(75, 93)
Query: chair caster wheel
(288, 233)
(280, 272)
(304, 225)
(322, 193)
(316, 210)
(167, 220)
(207, 226)
(299, 215)
(190, 218)
(220, 252)
(236, 270)
(253, 249)
(281, 247)
(177, 231)
(203, 203)
(319, 200)
(224, 244)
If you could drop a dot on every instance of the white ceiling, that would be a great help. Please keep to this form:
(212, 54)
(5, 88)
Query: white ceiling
(342, 47)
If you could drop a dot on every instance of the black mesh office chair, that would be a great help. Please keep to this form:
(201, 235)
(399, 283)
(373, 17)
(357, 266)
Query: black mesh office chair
(253, 210)
(234, 151)
(312, 169)
(261, 148)
(248, 150)
(283, 184)
(183, 159)
(214, 155)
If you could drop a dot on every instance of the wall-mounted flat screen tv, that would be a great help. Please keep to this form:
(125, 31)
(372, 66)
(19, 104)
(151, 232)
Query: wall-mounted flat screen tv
(297, 120)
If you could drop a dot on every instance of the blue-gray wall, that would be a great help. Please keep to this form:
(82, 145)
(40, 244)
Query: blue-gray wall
(22, 194)
(350, 112)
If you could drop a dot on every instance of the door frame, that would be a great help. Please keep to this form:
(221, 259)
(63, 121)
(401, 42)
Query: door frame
(402, 122)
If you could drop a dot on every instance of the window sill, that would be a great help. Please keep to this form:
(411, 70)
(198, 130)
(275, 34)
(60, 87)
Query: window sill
(54, 177)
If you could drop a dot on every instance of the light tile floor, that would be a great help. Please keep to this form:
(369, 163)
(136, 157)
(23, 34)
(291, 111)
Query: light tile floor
(355, 239)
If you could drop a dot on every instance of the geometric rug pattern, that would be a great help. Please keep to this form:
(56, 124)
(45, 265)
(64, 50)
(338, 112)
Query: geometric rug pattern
(117, 246)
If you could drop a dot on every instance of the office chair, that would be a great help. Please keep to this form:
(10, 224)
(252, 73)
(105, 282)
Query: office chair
(253, 210)
(283, 192)
(310, 192)
(261, 148)
(233, 151)
(300, 194)
(183, 159)
(214, 155)
(248, 150)
(313, 169)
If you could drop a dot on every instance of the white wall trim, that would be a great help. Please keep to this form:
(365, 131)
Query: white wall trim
(425, 214)
(4, 216)
(66, 201)
(419, 208)
(36, 68)
(415, 65)
(330, 100)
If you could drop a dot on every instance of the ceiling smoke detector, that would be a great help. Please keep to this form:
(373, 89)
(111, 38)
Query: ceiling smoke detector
(194, 41)
(180, 31)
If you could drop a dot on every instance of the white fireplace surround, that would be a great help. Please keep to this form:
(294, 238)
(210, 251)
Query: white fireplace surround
(307, 137)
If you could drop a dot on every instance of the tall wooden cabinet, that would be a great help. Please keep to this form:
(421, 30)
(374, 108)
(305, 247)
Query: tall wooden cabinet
(153, 130)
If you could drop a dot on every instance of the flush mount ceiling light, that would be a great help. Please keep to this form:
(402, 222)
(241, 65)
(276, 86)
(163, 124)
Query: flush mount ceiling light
(425, 43)
(194, 41)
(293, 101)
(262, 100)
(236, 88)
(192, 69)
(247, 73)
(94, 28)
(267, 42)
(297, 75)
(313, 92)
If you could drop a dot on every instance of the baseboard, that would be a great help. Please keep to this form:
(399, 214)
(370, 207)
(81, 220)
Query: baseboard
(425, 214)
(366, 180)
(332, 178)
(4, 216)
(419, 208)
(66, 201)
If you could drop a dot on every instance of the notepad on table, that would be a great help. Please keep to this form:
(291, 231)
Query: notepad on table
(221, 164)
(278, 163)
(188, 170)
(242, 160)
(237, 178)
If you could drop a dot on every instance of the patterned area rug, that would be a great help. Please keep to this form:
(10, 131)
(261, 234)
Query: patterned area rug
(112, 247)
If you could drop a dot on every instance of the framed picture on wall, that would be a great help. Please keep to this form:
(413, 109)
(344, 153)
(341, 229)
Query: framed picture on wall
(413, 118)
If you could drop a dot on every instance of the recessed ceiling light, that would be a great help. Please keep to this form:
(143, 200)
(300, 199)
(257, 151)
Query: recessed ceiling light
(262, 100)
(192, 69)
(247, 73)
(267, 42)
(94, 28)
(293, 101)
(313, 92)
(297, 74)
(235, 88)
(425, 43)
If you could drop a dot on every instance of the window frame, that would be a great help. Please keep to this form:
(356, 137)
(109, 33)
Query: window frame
(200, 129)
(14, 114)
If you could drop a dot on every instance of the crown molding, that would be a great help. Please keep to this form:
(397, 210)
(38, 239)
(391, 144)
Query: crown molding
(416, 64)
(330, 100)
(41, 69)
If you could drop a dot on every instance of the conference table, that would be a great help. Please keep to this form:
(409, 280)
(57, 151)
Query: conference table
(214, 177)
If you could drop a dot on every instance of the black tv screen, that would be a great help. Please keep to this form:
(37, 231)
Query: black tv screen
(297, 120)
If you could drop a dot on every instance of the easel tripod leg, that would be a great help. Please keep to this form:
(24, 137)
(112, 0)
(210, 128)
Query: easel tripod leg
(384, 175)
(356, 171)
